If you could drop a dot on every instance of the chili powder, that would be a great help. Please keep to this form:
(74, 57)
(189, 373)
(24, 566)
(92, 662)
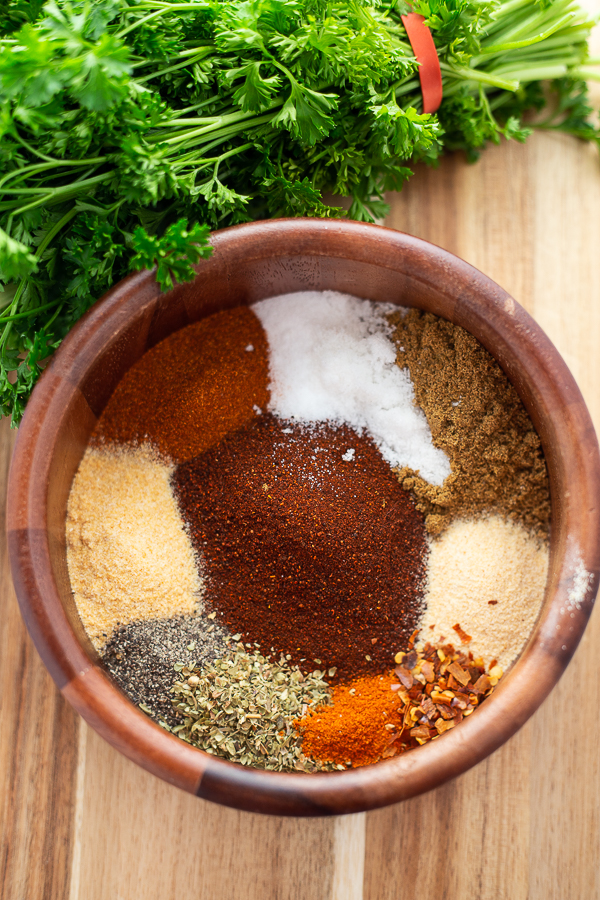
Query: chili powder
(186, 393)
(310, 545)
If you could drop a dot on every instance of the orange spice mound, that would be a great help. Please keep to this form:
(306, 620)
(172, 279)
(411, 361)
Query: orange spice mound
(193, 388)
(353, 731)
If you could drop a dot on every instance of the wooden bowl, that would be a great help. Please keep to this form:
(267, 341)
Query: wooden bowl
(251, 262)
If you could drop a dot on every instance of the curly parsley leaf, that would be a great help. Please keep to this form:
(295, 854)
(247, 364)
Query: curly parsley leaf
(15, 259)
(306, 114)
(121, 121)
(173, 254)
(256, 93)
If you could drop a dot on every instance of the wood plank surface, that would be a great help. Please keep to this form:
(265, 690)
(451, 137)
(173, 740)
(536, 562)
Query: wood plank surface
(80, 822)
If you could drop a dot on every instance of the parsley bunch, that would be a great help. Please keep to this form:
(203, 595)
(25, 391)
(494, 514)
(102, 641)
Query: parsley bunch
(121, 121)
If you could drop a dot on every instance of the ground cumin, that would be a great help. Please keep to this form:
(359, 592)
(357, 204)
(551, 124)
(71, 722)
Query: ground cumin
(190, 390)
(478, 420)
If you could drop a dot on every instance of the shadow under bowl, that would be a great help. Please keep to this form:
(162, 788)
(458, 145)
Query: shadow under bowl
(251, 262)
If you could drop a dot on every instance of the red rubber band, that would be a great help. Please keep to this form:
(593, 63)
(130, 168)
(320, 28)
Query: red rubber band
(430, 74)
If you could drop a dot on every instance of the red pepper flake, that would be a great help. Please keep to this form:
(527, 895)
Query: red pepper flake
(405, 677)
(459, 673)
(465, 638)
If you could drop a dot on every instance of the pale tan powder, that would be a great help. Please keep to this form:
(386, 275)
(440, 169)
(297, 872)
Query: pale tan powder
(487, 575)
(128, 554)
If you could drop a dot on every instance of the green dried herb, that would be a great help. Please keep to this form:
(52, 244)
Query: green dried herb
(242, 707)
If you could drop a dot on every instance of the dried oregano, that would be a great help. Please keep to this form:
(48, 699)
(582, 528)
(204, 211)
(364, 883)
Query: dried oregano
(242, 707)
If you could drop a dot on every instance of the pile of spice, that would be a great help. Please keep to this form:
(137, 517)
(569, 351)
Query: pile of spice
(243, 707)
(373, 718)
(277, 498)
(184, 395)
(310, 544)
(478, 420)
(331, 359)
(491, 574)
(141, 657)
(128, 553)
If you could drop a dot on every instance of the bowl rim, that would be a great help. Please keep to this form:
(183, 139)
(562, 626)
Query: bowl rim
(548, 391)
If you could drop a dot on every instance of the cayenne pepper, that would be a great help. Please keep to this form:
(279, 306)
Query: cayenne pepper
(353, 731)
(310, 545)
(186, 393)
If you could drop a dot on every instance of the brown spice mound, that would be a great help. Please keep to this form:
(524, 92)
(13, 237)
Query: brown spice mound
(307, 549)
(478, 420)
(188, 392)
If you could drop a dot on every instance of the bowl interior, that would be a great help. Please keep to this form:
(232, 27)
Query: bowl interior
(252, 262)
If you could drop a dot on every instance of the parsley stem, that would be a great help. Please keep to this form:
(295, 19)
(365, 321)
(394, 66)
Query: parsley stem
(209, 102)
(51, 234)
(476, 75)
(53, 317)
(184, 162)
(138, 22)
(187, 62)
(173, 7)
(517, 45)
(29, 312)
(586, 74)
(43, 167)
(33, 150)
(239, 118)
(232, 130)
(67, 192)
(207, 120)
(407, 87)
(13, 306)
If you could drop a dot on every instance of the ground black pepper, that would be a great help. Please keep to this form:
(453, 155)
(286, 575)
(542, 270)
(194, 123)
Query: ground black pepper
(140, 657)
(309, 543)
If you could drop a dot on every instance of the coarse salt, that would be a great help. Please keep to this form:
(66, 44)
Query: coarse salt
(331, 358)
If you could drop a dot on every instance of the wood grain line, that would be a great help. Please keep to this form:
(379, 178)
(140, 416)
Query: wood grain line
(349, 835)
(75, 882)
(37, 751)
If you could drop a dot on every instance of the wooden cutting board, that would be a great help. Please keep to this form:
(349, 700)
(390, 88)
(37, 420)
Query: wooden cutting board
(80, 822)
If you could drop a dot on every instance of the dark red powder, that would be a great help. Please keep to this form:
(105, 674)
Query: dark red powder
(311, 554)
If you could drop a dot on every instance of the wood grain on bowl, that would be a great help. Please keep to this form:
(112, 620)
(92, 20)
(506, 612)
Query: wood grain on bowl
(251, 262)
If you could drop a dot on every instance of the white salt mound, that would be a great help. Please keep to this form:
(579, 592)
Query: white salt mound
(331, 358)
(488, 576)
